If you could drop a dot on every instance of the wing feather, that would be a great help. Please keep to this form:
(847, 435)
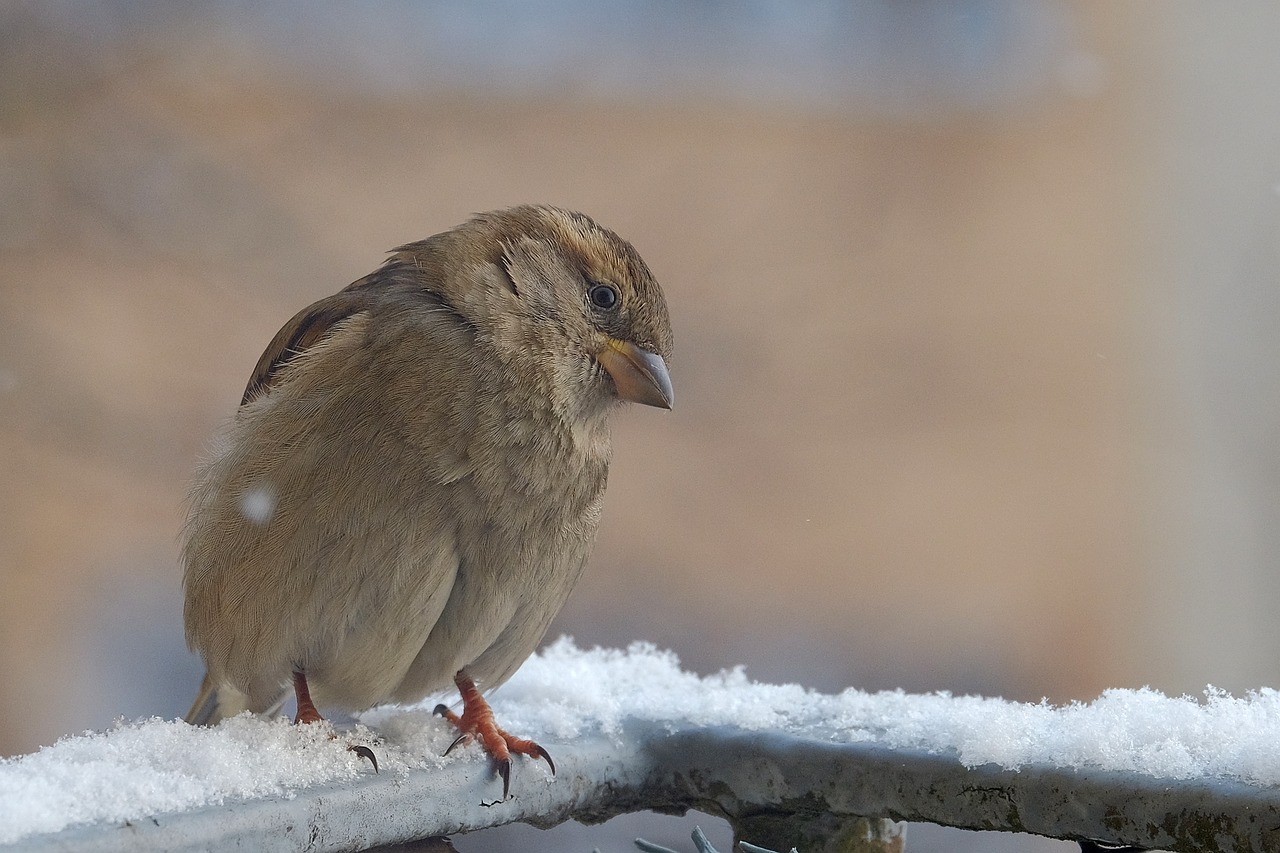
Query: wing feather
(307, 328)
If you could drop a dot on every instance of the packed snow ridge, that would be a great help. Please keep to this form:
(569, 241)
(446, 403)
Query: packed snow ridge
(156, 766)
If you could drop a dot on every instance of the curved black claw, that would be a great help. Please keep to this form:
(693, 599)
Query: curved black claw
(366, 752)
(459, 739)
(504, 770)
(543, 754)
(441, 710)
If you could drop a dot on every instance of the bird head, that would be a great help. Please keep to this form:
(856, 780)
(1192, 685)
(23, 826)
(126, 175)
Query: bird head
(555, 285)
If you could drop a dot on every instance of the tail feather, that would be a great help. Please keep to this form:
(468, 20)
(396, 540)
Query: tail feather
(215, 703)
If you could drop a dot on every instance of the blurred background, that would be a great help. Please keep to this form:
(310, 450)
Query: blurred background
(975, 304)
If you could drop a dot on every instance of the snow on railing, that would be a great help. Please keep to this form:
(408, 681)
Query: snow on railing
(629, 731)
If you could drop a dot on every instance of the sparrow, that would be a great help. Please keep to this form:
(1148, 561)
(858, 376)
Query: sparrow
(414, 478)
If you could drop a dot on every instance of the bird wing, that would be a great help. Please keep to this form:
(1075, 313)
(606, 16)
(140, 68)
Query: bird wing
(308, 327)
(300, 432)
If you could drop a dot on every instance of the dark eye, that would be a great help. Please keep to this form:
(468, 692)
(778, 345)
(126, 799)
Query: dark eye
(603, 296)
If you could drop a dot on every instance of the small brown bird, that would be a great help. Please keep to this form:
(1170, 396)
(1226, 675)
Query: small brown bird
(413, 481)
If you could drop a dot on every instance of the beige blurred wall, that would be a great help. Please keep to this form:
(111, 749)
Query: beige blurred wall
(928, 371)
(1210, 178)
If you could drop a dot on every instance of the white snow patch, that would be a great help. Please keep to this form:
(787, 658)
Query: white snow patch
(156, 766)
(258, 504)
(565, 692)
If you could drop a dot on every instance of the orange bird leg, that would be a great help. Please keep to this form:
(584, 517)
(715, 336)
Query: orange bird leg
(307, 713)
(477, 722)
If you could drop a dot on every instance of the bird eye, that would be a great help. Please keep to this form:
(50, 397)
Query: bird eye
(603, 296)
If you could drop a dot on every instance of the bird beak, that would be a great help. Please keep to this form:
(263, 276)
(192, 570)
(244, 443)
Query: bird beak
(638, 375)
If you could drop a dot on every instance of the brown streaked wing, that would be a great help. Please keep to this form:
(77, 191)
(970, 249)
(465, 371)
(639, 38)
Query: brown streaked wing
(308, 327)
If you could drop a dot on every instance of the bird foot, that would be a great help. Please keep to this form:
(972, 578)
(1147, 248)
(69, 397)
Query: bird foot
(476, 722)
(308, 713)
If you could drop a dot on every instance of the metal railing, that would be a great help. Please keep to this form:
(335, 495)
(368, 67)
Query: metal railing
(778, 791)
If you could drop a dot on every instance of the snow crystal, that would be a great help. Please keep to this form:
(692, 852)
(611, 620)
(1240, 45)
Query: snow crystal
(156, 766)
(258, 504)
(565, 692)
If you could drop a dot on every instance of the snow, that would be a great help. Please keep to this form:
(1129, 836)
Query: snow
(155, 766)
(258, 504)
(565, 692)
